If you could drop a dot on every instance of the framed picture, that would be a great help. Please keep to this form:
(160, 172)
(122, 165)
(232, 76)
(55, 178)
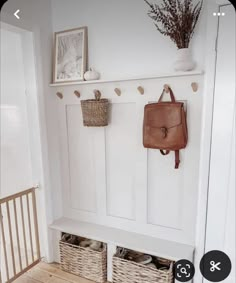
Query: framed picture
(70, 55)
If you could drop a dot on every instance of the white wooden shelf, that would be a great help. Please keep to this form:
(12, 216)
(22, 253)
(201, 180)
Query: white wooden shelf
(146, 244)
(167, 75)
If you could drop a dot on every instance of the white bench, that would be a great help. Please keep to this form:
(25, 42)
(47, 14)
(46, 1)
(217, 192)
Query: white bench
(115, 237)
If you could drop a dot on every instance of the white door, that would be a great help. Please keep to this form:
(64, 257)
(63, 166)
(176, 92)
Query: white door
(16, 165)
(20, 155)
(220, 229)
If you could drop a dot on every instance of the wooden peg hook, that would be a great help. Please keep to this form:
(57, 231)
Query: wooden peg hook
(60, 95)
(117, 91)
(194, 86)
(97, 94)
(166, 88)
(77, 93)
(141, 90)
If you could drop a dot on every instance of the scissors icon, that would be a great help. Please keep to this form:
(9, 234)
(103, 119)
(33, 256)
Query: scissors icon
(214, 266)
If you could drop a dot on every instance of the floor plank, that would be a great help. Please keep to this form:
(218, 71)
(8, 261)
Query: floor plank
(49, 273)
(55, 270)
(26, 279)
(39, 275)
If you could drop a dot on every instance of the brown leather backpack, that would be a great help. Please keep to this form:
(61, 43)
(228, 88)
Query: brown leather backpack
(165, 126)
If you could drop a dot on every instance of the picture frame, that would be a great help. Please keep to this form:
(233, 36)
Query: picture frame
(70, 55)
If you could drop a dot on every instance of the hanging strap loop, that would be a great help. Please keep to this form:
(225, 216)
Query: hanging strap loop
(163, 152)
(170, 93)
(177, 160)
(97, 94)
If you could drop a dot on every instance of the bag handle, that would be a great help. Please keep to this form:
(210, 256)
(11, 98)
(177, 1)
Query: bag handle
(97, 94)
(168, 90)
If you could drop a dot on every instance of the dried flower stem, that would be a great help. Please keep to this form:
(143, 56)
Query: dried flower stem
(176, 19)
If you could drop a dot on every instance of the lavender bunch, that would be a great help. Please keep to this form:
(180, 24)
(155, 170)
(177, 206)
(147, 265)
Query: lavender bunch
(176, 19)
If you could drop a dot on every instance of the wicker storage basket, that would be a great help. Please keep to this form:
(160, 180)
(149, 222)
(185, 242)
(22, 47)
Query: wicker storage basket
(126, 271)
(95, 111)
(84, 262)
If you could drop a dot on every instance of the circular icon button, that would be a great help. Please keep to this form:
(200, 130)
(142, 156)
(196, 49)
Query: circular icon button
(215, 266)
(184, 270)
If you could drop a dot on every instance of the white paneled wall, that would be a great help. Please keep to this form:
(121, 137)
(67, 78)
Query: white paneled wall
(164, 190)
(121, 148)
(81, 162)
(108, 176)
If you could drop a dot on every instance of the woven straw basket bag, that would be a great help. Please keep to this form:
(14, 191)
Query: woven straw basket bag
(95, 111)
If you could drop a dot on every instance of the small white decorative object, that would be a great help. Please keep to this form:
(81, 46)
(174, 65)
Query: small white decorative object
(184, 61)
(91, 75)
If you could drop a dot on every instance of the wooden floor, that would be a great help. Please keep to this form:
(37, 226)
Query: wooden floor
(49, 273)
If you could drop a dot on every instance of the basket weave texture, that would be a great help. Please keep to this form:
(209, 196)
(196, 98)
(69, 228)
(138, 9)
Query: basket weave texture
(95, 111)
(84, 262)
(125, 271)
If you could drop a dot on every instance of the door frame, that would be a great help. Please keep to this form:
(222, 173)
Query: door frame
(44, 183)
(206, 135)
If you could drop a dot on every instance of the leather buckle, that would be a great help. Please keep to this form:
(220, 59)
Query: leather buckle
(164, 132)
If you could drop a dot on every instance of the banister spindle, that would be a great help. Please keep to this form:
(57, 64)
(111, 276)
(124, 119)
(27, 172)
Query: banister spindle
(23, 227)
(30, 230)
(4, 244)
(11, 239)
(36, 229)
(17, 234)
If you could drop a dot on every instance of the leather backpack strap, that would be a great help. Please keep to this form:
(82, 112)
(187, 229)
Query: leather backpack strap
(164, 152)
(170, 93)
(177, 160)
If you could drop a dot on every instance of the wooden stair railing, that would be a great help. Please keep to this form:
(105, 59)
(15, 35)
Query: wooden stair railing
(19, 234)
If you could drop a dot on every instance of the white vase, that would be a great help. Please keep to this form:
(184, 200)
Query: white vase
(184, 61)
